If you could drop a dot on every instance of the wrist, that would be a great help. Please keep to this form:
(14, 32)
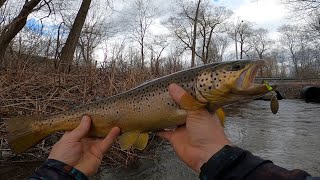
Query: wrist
(206, 155)
(221, 162)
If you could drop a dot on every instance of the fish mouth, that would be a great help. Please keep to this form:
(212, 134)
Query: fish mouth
(245, 83)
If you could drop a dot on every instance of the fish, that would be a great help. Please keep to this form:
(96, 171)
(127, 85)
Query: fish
(147, 107)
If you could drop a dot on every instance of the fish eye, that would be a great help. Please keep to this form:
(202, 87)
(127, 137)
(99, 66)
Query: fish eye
(236, 67)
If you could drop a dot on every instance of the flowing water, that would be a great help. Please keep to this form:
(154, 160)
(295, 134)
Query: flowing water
(290, 139)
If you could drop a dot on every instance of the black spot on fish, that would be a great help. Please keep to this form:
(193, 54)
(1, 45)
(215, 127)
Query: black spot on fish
(210, 87)
(206, 79)
(200, 85)
(219, 80)
(217, 85)
(201, 80)
(205, 74)
(225, 76)
(117, 112)
(215, 79)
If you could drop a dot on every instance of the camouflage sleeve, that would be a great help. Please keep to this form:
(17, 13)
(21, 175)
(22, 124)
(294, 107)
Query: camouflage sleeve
(236, 163)
(54, 170)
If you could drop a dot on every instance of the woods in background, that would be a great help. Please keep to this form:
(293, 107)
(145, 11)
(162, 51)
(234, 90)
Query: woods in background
(62, 35)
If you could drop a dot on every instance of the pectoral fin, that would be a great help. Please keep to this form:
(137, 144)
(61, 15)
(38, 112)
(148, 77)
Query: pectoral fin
(127, 140)
(141, 142)
(221, 114)
(189, 103)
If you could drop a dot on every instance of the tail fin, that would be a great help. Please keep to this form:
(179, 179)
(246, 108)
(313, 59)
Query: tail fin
(25, 132)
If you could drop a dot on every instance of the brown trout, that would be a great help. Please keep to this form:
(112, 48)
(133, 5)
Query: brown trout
(147, 107)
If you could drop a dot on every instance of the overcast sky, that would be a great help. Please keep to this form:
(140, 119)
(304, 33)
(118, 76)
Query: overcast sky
(269, 14)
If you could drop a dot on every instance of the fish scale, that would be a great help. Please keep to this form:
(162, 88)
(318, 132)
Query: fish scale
(148, 107)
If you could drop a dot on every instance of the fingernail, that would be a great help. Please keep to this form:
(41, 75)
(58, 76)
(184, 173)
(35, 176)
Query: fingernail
(174, 88)
(85, 119)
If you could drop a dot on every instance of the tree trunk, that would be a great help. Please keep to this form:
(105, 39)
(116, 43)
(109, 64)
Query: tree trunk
(193, 48)
(12, 29)
(68, 49)
(2, 2)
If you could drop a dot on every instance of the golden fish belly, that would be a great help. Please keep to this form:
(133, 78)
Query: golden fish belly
(132, 114)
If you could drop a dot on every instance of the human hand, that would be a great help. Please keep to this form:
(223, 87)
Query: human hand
(199, 139)
(84, 154)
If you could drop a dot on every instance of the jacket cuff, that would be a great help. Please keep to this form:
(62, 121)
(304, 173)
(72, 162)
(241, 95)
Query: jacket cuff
(224, 164)
(53, 169)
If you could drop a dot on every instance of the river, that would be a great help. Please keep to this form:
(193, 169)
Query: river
(290, 139)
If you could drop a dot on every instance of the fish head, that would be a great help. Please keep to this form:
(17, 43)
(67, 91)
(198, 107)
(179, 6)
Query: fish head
(229, 82)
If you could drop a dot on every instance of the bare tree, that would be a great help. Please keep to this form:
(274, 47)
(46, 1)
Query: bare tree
(2, 3)
(302, 52)
(144, 15)
(260, 42)
(14, 27)
(184, 25)
(156, 49)
(210, 18)
(194, 40)
(244, 32)
(68, 49)
(303, 5)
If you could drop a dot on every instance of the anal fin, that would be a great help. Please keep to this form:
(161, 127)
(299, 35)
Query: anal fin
(135, 140)
(141, 142)
(127, 140)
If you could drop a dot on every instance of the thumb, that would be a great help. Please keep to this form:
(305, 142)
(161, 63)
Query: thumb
(80, 131)
(176, 92)
(165, 135)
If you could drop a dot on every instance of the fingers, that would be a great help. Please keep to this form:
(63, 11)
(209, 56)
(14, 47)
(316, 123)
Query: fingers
(80, 131)
(176, 92)
(107, 142)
